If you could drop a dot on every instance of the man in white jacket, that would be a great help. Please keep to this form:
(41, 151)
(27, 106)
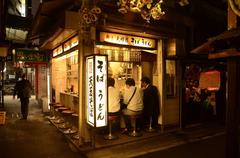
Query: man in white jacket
(113, 97)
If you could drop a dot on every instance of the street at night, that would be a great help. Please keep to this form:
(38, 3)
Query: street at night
(205, 148)
(119, 78)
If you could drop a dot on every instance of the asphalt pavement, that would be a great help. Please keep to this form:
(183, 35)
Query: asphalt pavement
(38, 138)
(213, 147)
(32, 138)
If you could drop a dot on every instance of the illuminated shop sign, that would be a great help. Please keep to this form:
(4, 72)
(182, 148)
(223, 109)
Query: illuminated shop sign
(127, 40)
(70, 44)
(66, 46)
(31, 55)
(57, 51)
(96, 90)
(210, 80)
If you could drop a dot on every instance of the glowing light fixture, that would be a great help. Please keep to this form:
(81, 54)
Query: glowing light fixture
(96, 90)
(147, 8)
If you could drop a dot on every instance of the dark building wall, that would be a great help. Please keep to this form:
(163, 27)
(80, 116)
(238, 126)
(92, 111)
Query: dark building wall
(2, 19)
(34, 6)
(14, 19)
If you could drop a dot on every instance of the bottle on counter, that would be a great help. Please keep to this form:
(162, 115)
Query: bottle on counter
(72, 88)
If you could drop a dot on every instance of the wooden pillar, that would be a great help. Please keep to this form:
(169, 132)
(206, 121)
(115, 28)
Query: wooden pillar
(232, 111)
(2, 82)
(232, 18)
(36, 81)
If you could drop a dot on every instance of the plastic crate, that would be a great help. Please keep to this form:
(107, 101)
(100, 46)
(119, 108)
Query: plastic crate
(2, 117)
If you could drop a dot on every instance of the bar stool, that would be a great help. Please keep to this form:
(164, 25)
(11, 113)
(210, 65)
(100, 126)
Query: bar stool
(75, 124)
(52, 111)
(133, 119)
(55, 109)
(64, 124)
(59, 109)
(68, 114)
(110, 136)
(150, 129)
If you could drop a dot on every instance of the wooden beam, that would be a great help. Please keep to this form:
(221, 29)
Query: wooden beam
(224, 54)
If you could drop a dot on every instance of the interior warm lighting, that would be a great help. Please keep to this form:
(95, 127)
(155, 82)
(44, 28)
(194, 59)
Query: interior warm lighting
(147, 8)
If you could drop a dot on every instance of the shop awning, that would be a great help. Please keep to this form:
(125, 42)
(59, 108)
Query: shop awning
(50, 19)
(223, 45)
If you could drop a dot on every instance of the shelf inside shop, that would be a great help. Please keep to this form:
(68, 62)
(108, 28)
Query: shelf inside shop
(71, 71)
(72, 77)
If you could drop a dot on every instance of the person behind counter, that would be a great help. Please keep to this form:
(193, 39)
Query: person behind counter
(133, 98)
(151, 103)
(113, 98)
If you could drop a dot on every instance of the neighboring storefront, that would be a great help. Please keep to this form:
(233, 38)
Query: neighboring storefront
(35, 65)
(204, 91)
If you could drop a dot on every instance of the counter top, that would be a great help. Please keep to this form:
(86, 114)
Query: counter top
(69, 93)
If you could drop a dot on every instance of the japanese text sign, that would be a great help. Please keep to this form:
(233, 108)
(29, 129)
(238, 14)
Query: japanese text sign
(127, 40)
(96, 90)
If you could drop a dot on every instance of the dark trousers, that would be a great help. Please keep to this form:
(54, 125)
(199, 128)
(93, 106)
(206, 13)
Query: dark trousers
(24, 107)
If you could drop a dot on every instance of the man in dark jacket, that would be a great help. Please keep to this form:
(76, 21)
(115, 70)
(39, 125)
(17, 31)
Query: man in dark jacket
(23, 89)
(151, 109)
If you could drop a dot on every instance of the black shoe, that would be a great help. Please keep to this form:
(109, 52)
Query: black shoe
(23, 118)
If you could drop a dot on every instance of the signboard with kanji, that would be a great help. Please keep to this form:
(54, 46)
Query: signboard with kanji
(96, 90)
(31, 56)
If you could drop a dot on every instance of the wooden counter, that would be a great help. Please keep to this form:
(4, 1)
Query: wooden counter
(70, 100)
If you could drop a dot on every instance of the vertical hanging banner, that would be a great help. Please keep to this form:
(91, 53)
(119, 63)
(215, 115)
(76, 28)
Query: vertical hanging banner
(96, 90)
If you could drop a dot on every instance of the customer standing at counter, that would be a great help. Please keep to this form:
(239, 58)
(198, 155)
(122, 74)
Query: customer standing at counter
(151, 103)
(133, 99)
(113, 98)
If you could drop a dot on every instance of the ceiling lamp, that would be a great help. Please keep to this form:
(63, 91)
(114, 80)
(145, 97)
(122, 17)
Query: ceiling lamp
(147, 8)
